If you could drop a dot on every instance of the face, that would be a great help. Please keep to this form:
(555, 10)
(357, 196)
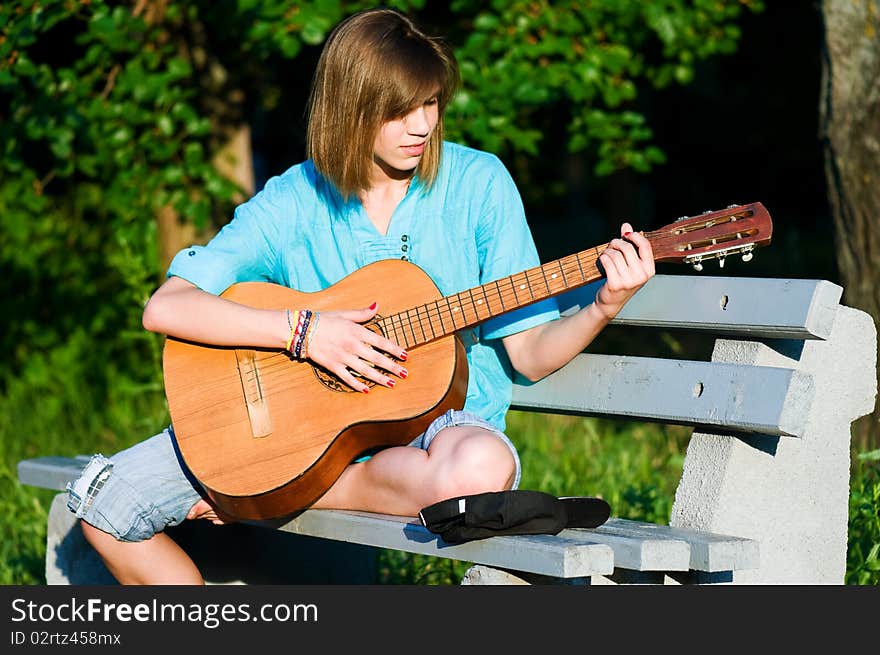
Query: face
(401, 142)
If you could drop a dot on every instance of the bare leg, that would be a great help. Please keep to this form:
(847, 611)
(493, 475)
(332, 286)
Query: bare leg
(157, 560)
(460, 460)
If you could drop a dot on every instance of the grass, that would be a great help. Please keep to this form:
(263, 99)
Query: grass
(634, 466)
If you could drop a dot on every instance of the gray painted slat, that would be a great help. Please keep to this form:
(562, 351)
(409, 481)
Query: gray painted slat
(640, 547)
(51, 472)
(755, 307)
(708, 551)
(560, 556)
(732, 397)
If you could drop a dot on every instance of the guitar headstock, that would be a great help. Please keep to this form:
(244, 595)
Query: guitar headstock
(739, 229)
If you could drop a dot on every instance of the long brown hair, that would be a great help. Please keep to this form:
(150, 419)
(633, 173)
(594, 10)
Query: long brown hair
(377, 65)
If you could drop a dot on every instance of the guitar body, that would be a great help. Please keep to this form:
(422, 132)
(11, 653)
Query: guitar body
(267, 435)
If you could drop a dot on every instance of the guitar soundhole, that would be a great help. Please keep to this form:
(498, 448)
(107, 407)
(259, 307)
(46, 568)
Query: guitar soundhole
(332, 381)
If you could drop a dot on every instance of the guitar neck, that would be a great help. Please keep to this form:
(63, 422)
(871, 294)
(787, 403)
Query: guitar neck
(434, 320)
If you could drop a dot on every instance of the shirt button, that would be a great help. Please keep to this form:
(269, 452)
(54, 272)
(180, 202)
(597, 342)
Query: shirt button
(191, 253)
(404, 247)
(405, 258)
(404, 238)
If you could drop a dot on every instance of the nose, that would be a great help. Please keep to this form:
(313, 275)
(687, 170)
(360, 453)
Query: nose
(417, 122)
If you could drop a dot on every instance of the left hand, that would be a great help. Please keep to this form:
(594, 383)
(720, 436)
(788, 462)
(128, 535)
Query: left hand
(628, 263)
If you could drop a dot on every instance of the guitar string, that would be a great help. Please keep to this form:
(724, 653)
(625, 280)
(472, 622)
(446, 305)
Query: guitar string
(433, 311)
(435, 314)
(276, 362)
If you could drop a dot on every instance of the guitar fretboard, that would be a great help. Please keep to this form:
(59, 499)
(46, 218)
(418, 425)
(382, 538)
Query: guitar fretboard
(434, 320)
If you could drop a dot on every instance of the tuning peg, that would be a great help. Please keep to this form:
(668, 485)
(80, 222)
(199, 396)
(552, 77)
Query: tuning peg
(698, 266)
(721, 262)
(747, 257)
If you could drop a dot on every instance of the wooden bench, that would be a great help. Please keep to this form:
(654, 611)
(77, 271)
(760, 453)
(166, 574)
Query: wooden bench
(763, 497)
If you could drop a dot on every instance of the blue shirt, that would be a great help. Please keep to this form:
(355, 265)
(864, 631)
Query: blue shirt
(467, 229)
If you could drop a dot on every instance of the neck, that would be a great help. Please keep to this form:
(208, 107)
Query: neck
(445, 316)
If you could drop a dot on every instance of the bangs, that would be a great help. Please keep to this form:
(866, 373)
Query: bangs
(413, 77)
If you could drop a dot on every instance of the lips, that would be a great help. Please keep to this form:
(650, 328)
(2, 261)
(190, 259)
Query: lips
(413, 150)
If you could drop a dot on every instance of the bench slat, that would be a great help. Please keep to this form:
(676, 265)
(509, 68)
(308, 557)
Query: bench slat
(755, 307)
(636, 545)
(708, 551)
(51, 472)
(564, 556)
(732, 397)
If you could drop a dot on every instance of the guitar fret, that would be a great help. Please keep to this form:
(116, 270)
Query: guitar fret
(500, 296)
(562, 271)
(451, 314)
(430, 321)
(486, 298)
(410, 325)
(577, 258)
(422, 325)
(443, 329)
(544, 276)
(529, 285)
(474, 303)
(402, 330)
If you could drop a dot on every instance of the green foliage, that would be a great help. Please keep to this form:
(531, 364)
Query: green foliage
(588, 62)
(863, 555)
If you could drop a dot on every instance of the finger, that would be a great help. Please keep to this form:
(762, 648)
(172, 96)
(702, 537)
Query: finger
(344, 374)
(625, 229)
(630, 255)
(380, 343)
(370, 372)
(361, 315)
(381, 361)
(646, 252)
(611, 260)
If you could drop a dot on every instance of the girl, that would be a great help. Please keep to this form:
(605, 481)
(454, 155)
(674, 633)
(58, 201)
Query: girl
(379, 182)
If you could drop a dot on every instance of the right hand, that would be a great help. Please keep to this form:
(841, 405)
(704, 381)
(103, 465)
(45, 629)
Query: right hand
(341, 345)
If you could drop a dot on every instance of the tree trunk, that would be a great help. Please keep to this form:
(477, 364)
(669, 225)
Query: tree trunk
(235, 162)
(850, 131)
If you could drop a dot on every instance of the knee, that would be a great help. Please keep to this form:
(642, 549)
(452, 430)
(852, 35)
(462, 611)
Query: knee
(478, 464)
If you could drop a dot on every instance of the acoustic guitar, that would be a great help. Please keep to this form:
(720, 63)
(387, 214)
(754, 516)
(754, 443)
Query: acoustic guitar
(267, 435)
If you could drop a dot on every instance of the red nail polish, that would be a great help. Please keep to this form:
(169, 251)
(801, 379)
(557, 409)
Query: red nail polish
(367, 390)
(403, 356)
(390, 383)
(626, 234)
(403, 374)
(373, 306)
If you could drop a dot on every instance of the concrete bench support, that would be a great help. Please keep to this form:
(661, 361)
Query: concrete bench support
(791, 495)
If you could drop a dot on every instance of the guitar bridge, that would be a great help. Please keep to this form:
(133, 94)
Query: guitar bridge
(252, 388)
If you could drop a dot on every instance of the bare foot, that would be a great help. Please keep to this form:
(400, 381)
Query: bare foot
(204, 510)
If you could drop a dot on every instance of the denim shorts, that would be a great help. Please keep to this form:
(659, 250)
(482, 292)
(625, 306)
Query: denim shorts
(146, 488)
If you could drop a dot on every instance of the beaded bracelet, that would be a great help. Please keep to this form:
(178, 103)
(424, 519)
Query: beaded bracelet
(306, 317)
(293, 323)
(312, 327)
